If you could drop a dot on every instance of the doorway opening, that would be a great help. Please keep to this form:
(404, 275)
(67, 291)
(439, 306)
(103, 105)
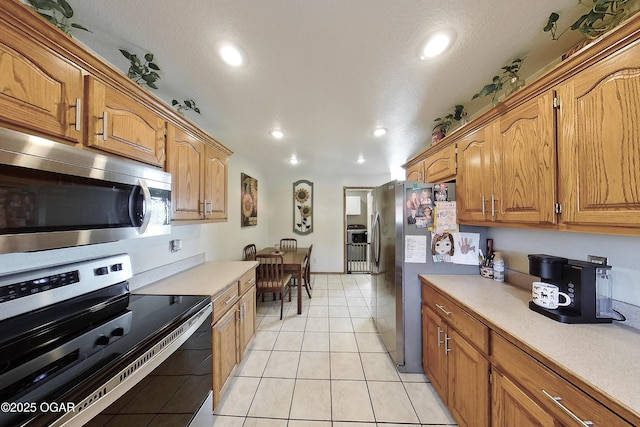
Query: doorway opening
(357, 223)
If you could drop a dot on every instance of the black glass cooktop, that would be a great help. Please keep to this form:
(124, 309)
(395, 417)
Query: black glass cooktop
(63, 363)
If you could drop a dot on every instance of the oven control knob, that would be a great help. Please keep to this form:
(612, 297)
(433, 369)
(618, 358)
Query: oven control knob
(101, 271)
(102, 340)
(117, 332)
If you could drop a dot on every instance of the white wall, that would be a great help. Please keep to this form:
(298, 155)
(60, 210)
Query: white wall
(328, 214)
(622, 251)
(220, 241)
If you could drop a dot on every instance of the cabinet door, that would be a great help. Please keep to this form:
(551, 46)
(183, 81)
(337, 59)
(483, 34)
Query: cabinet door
(473, 190)
(468, 382)
(511, 406)
(215, 184)
(599, 129)
(225, 354)
(120, 125)
(434, 360)
(416, 172)
(247, 312)
(39, 90)
(441, 166)
(524, 163)
(185, 158)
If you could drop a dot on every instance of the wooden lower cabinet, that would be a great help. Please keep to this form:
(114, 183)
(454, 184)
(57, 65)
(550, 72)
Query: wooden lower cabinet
(246, 320)
(500, 384)
(225, 353)
(511, 406)
(534, 382)
(234, 325)
(458, 371)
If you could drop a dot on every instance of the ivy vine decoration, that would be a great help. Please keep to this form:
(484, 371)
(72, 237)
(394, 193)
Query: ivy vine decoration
(58, 12)
(303, 207)
(142, 72)
(187, 104)
(510, 74)
(602, 16)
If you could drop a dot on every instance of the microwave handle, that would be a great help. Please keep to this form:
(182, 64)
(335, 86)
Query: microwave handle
(147, 206)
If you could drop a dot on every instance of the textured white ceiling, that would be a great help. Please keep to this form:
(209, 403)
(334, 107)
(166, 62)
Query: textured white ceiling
(326, 72)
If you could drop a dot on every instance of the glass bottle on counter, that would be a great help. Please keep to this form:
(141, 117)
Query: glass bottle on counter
(498, 267)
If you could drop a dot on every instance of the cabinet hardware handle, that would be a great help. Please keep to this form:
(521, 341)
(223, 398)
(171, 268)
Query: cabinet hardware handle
(105, 127)
(251, 281)
(440, 342)
(483, 209)
(231, 298)
(448, 313)
(446, 344)
(210, 205)
(78, 107)
(557, 400)
(493, 206)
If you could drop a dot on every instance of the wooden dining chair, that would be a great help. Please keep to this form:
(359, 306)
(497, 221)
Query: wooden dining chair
(249, 252)
(306, 272)
(305, 267)
(270, 277)
(288, 244)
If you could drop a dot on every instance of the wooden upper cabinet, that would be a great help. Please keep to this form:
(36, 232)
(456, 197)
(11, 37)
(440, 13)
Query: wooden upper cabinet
(215, 185)
(524, 163)
(416, 172)
(473, 190)
(119, 124)
(441, 166)
(39, 90)
(199, 177)
(185, 158)
(599, 149)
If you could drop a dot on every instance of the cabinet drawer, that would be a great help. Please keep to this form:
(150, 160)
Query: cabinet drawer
(224, 301)
(474, 331)
(247, 281)
(561, 398)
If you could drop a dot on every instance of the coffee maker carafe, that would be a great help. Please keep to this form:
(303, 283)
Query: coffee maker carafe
(587, 284)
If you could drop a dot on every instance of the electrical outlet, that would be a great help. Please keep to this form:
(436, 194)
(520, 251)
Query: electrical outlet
(175, 245)
(597, 259)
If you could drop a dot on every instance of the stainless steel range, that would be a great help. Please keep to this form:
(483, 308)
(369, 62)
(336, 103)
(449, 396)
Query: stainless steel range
(73, 340)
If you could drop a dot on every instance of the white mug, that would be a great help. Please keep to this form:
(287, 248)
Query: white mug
(548, 295)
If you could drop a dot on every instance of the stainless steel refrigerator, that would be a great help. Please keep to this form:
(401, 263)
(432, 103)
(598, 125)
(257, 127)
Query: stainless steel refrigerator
(395, 287)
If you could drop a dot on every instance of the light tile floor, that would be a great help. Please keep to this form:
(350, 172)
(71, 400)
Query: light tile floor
(325, 368)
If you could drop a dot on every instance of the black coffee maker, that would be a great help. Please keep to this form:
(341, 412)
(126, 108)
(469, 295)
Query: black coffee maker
(588, 284)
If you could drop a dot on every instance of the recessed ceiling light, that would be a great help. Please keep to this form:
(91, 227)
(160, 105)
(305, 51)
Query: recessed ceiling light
(293, 160)
(379, 132)
(437, 43)
(232, 55)
(277, 134)
(360, 159)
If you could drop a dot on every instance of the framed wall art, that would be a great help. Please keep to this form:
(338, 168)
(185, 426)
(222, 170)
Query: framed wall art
(248, 201)
(303, 207)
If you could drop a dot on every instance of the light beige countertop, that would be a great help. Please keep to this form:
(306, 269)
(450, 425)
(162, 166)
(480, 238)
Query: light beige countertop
(607, 356)
(207, 278)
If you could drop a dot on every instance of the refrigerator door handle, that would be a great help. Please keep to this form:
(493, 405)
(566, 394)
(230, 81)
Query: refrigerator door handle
(375, 236)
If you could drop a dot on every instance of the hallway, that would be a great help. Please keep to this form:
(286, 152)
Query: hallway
(325, 368)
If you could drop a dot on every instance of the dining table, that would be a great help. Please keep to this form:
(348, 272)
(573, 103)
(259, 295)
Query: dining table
(293, 260)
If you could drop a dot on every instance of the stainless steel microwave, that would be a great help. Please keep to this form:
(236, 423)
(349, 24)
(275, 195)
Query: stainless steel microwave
(54, 196)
